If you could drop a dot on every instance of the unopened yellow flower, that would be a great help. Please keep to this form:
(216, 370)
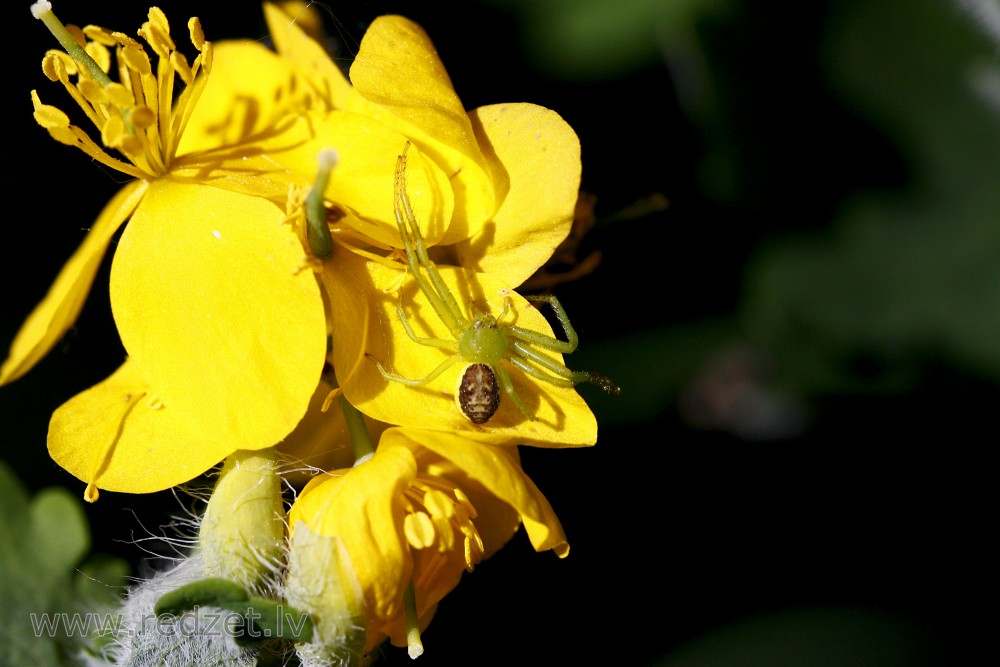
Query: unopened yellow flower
(426, 508)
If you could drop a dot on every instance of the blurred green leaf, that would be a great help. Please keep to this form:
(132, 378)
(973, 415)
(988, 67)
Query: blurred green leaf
(903, 277)
(817, 637)
(58, 536)
(595, 39)
(42, 541)
(100, 581)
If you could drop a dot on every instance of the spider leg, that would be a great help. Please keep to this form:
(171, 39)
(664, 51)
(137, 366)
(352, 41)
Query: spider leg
(416, 382)
(433, 286)
(508, 387)
(540, 339)
(548, 342)
(561, 376)
(430, 342)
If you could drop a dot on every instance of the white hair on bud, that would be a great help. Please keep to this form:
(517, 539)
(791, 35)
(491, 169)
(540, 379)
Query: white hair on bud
(140, 639)
(137, 638)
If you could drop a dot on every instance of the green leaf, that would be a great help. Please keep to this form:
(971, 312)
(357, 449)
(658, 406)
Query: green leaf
(42, 543)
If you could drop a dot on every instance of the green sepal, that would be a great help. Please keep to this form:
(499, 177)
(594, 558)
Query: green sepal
(262, 620)
(211, 592)
(266, 620)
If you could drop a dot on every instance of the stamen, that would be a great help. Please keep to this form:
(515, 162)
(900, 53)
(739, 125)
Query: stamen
(91, 493)
(138, 116)
(328, 401)
(318, 232)
(414, 647)
(42, 11)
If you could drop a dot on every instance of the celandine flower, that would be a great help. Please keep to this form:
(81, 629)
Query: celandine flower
(225, 332)
(425, 508)
(492, 189)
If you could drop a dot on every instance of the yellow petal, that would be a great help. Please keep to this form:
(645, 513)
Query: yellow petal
(366, 329)
(308, 59)
(252, 168)
(498, 470)
(403, 84)
(364, 507)
(536, 157)
(246, 92)
(118, 436)
(215, 305)
(362, 181)
(58, 310)
(361, 185)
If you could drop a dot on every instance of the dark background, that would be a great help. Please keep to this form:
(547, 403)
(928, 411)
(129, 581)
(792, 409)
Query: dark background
(806, 336)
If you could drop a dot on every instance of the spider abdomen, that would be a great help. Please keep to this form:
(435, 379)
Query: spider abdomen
(478, 394)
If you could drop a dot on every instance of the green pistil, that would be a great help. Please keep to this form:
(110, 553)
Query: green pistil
(42, 11)
(358, 430)
(317, 231)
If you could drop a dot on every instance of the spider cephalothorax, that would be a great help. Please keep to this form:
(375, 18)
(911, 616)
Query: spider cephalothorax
(483, 342)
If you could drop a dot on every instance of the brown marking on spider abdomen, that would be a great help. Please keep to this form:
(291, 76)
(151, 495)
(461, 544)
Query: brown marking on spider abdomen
(478, 393)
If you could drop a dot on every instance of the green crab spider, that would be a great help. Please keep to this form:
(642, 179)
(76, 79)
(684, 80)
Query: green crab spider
(482, 341)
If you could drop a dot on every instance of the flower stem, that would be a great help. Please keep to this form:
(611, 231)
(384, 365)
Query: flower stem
(42, 10)
(356, 427)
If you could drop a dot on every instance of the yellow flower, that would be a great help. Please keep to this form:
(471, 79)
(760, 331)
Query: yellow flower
(226, 334)
(494, 189)
(426, 508)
